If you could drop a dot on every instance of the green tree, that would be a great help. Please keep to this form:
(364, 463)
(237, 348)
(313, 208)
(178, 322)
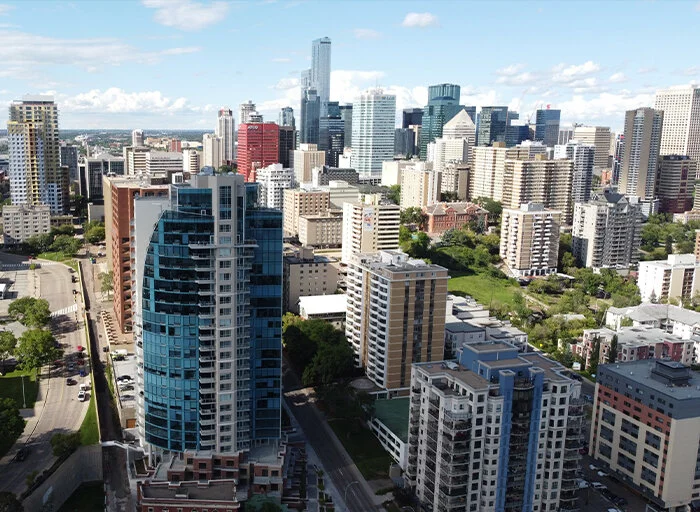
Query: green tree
(66, 229)
(78, 205)
(38, 243)
(612, 355)
(449, 196)
(418, 246)
(225, 169)
(95, 235)
(494, 208)
(10, 503)
(106, 282)
(66, 244)
(331, 362)
(595, 357)
(30, 311)
(8, 342)
(63, 445)
(11, 421)
(412, 215)
(394, 194)
(567, 262)
(36, 348)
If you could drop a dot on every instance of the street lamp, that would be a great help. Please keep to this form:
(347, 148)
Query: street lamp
(346, 490)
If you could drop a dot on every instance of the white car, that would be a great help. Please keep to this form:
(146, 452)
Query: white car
(602, 474)
(582, 484)
(593, 467)
(82, 396)
(598, 485)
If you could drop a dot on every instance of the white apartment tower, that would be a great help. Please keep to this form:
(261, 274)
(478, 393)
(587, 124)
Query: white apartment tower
(680, 134)
(306, 159)
(643, 128)
(373, 120)
(599, 136)
(369, 228)
(583, 157)
(245, 110)
(225, 128)
(191, 160)
(273, 181)
(420, 186)
(137, 138)
(212, 155)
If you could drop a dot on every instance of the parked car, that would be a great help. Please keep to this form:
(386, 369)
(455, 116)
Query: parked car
(582, 484)
(124, 377)
(82, 396)
(598, 485)
(593, 467)
(22, 454)
(85, 386)
(602, 474)
(128, 387)
(71, 382)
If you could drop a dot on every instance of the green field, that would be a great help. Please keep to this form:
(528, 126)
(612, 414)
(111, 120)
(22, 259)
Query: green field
(483, 288)
(60, 257)
(11, 387)
(86, 497)
(89, 433)
(368, 455)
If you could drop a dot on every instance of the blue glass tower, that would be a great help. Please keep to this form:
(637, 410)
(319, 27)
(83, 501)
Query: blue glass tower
(209, 317)
(547, 126)
(443, 105)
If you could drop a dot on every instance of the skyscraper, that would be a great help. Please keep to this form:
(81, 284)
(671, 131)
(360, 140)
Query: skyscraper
(208, 276)
(258, 147)
(286, 117)
(69, 158)
(331, 131)
(443, 104)
(681, 131)
(321, 71)
(346, 116)
(224, 129)
(373, 119)
(599, 136)
(287, 144)
(412, 117)
(35, 171)
(137, 138)
(492, 125)
(310, 116)
(547, 126)
(212, 151)
(583, 156)
(643, 128)
(244, 111)
(675, 183)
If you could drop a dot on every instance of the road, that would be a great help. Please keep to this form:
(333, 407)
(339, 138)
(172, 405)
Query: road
(57, 408)
(338, 465)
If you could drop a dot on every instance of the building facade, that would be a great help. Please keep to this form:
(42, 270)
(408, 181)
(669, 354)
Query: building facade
(369, 228)
(69, 158)
(641, 152)
(443, 104)
(225, 128)
(306, 159)
(273, 180)
(547, 126)
(300, 202)
(288, 142)
(680, 134)
(307, 274)
(321, 71)
(675, 183)
(310, 115)
(530, 240)
(373, 119)
(212, 151)
(583, 157)
(677, 277)
(492, 125)
(21, 222)
(599, 136)
(420, 186)
(244, 112)
(445, 216)
(258, 147)
(322, 230)
(92, 171)
(286, 117)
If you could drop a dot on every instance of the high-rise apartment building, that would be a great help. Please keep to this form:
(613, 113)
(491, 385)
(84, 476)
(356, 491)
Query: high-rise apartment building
(420, 186)
(286, 117)
(599, 136)
(412, 117)
(306, 159)
(288, 136)
(208, 275)
(373, 119)
(258, 147)
(135, 159)
(617, 157)
(583, 157)
(92, 171)
(547, 126)
(456, 178)
(69, 158)
(225, 128)
(530, 240)
(321, 71)
(443, 104)
(35, 171)
(298, 202)
(680, 134)
(565, 135)
(273, 180)
(675, 183)
(307, 274)
(369, 228)
(676, 278)
(212, 154)
(492, 125)
(641, 154)
(137, 138)
(346, 116)
(607, 231)
(310, 116)
(396, 315)
(495, 431)
(191, 160)
(119, 194)
(245, 110)
(488, 164)
(646, 419)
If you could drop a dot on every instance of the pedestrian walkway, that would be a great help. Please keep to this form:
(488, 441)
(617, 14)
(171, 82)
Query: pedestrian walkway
(69, 309)
(25, 265)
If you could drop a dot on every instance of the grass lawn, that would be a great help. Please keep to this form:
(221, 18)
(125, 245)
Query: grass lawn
(89, 432)
(86, 497)
(11, 387)
(483, 288)
(60, 257)
(369, 456)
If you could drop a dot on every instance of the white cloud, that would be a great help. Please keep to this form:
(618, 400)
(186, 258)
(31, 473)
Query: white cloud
(5, 9)
(366, 33)
(691, 71)
(186, 14)
(281, 59)
(645, 70)
(518, 79)
(569, 74)
(420, 19)
(617, 78)
(511, 70)
(286, 83)
(606, 105)
(117, 101)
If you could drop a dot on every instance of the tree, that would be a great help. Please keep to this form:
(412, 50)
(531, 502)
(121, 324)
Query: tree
(331, 362)
(8, 342)
(595, 356)
(66, 229)
(11, 421)
(63, 445)
(494, 208)
(36, 348)
(38, 243)
(449, 196)
(567, 261)
(95, 235)
(30, 311)
(224, 169)
(106, 282)
(78, 205)
(612, 355)
(66, 244)
(10, 503)
(394, 194)
(412, 215)
(418, 246)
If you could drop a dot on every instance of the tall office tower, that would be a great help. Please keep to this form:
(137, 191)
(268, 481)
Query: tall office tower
(346, 116)
(530, 239)
(607, 231)
(617, 158)
(455, 145)
(119, 193)
(492, 125)
(565, 135)
(404, 145)
(583, 157)
(680, 134)
(420, 186)
(191, 160)
(287, 145)
(305, 79)
(286, 117)
(478, 438)
(225, 129)
(94, 169)
(69, 158)
(488, 164)
(547, 126)
(369, 228)
(273, 180)
(539, 181)
(135, 159)
(517, 133)
(461, 126)
(321, 71)
(301, 202)
(310, 116)
(258, 147)
(212, 154)
(208, 277)
(244, 111)
(306, 159)
(412, 117)
(137, 138)
(639, 161)
(599, 136)
(675, 183)
(35, 171)
(381, 287)
(331, 131)
(373, 120)
(655, 451)
(443, 104)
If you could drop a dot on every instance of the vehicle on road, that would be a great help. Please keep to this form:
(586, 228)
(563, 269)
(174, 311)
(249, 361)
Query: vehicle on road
(128, 387)
(71, 382)
(71, 367)
(22, 454)
(582, 484)
(598, 485)
(85, 386)
(82, 396)
(124, 377)
(602, 474)
(73, 279)
(593, 467)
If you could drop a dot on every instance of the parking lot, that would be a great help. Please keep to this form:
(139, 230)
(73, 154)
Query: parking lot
(597, 500)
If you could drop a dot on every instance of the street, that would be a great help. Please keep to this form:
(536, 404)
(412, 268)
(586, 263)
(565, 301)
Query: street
(57, 408)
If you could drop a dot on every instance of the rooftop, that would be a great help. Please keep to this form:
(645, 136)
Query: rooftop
(323, 304)
(643, 335)
(213, 490)
(645, 313)
(458, 208)
(394, 414)
(643, 372)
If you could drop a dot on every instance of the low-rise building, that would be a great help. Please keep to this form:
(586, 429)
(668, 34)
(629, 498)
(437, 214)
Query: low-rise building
(307, 274)
(390, 424)
(681, 322)
(302, 202)
(21, 222)
(445, 216)
(322, 176)
(369, 227)
(673, 278)
(331, 308)
(322, 230)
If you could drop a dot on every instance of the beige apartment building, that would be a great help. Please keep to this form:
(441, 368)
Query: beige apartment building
(305, 159)
(322, 230)
(307, 275)
(420, 186)
(396, 315)
(599, 136)
(300, 202)
(21, 222)
(455, 177)
(680, 134)
(369, 227)
(530, 240)
(135, 159)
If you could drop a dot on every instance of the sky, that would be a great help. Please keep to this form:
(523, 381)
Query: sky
(171, 64)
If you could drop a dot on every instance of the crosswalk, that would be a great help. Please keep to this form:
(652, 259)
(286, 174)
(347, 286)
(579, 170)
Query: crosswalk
(65, 311)
(25, 265)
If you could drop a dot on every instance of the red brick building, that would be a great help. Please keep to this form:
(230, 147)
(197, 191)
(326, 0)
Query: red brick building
(444, 216)
(258, 147)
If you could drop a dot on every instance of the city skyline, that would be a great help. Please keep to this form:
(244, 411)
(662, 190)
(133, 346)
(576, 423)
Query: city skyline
(160, 69)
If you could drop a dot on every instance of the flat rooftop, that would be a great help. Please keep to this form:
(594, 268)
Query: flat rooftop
(640, 372)
(394, 414)
(214, 490)
(490, 346)
(324, 304)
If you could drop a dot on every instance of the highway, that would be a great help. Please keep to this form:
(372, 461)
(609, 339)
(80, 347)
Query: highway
(57, 408)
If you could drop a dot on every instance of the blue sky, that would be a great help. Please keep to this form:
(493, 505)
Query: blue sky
(173, 63)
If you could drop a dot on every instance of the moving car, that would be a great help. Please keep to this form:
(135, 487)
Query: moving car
(71, 382)
(22, 454)
(82, 396)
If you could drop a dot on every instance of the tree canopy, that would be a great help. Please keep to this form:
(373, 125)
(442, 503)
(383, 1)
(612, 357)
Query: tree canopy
(8, 342)
(394, 194)
(30, 311)
(11, 421)
(36, 348)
